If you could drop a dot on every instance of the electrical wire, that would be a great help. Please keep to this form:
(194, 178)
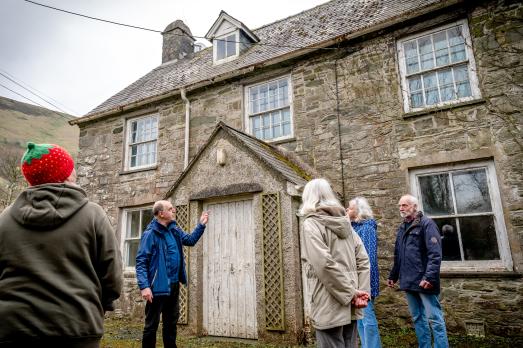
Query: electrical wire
(34, 90)
(159, 31)
(34, 102)
(48, 102)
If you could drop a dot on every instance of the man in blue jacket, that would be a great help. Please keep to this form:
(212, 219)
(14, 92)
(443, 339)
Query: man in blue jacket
(160, 268)
(417, 261)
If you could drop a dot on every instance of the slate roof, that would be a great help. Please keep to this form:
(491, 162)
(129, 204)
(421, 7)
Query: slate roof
(314, 27)
(288, 168)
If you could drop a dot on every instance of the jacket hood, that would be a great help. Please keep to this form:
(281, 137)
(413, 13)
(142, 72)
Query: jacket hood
(334, 219)
(47, 206)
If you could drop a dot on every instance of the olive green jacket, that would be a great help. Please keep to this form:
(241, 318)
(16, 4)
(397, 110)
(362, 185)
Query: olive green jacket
(336, 265)
(60, 265)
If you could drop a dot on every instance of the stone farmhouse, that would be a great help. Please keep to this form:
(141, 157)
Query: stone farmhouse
(381, 97)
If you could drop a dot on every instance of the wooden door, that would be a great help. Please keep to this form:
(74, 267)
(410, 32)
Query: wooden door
(229, 287)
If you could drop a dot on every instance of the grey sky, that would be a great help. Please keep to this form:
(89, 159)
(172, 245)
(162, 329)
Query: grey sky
(80, 62)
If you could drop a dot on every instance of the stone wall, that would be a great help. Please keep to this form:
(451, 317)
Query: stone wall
(379, 145)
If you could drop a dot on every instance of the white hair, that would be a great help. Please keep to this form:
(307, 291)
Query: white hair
(411, 199)
(318, 192)
(363, 210)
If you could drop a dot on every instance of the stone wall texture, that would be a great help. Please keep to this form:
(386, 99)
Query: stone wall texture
(361, 88)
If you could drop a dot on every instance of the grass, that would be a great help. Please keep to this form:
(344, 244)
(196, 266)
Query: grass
(122, 333)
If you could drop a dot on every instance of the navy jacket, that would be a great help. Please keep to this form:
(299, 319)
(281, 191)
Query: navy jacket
(151, 259)
(417, 255)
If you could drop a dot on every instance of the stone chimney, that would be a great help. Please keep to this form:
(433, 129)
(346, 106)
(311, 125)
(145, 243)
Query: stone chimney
(178, 42)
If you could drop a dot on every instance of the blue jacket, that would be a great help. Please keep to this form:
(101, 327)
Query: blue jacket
(417, 255)
(367, 230)
(151, 259)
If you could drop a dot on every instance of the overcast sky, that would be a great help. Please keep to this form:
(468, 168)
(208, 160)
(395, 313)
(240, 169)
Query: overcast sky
(77, 63)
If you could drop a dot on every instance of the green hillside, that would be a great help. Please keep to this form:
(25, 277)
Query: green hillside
(21, 122)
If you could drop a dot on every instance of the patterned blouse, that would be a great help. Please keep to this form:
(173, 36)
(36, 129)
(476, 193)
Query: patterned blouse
(367, 230)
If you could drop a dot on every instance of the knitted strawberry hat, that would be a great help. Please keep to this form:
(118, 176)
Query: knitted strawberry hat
(46, 163)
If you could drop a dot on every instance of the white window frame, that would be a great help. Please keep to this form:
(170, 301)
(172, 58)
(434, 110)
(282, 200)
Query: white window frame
(505, 262)
(127, 155)
(236, 34)
(125, 231)
(291, 104)
(470, 61)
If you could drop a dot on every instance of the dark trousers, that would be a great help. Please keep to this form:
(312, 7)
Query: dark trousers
(337, 337)
(169, 308)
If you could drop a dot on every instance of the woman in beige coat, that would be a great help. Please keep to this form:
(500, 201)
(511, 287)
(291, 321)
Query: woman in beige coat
(336, 264)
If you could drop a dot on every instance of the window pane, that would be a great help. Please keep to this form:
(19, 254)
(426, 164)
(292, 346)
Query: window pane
(220, 49)
(435, 194)
(147, 216)
(276, 119)
(283, 92)
(457, 53)
(267, 133)
(416, 97)
(455, 36)
(132, 251)
(431, 88)
(411, 56)
(273, 95)
(263, 96)
(256, 122)
(449, 239)
(277, 131)
(471, 190)
(416, 100)
(133, 224)
(286, 128)
(286, 115)
(446, 84)
(461, 75)
(478, 235)
(425, 49)
(231, 45)
(133, 132)
(412, 65)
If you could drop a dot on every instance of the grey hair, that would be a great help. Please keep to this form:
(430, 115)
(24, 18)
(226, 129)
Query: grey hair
(412, 199)
(363, 209)
(318, 192)
(158, 207)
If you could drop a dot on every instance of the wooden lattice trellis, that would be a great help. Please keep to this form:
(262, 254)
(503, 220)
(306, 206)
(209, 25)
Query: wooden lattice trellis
(273, 262)
(182, 218)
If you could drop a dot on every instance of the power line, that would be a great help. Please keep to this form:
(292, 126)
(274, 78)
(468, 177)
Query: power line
(93, 18)
(159, 31)
(48, 102)
(42, 93)
(32, 101)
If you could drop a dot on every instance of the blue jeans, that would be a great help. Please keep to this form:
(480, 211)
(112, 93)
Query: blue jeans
(368, 328)
(425, 309)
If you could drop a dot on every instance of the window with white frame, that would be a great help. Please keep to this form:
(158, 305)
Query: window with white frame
(464, 201)
(142, 137)
(437, 67)
(225, 47)
(135, 222)
(269, 115)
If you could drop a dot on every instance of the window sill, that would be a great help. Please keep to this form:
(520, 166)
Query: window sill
(280, 141)
(130, 171)
(442, 108)
(481, 274)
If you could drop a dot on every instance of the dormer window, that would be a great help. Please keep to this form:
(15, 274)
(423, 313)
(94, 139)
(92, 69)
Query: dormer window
(225, 47)
(230, 38)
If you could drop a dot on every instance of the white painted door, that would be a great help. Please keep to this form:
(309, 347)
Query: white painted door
(229, 287)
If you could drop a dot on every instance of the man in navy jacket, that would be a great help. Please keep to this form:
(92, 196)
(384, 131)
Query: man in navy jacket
(160, 268)
(417, 261)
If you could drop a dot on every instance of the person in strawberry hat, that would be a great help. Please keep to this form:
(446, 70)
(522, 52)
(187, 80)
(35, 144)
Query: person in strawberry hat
(60, 265)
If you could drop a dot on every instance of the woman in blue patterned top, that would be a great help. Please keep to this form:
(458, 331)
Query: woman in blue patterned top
(362, 220)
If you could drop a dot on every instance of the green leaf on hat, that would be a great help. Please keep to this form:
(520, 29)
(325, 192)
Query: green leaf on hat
(35, 151)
